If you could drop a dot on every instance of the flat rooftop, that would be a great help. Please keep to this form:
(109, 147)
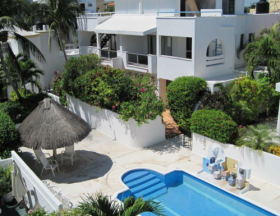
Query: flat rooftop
(102, 161)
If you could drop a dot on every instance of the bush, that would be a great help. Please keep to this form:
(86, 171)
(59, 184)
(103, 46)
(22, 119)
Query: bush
(253, 97)
(58, 89)
(18, 111)
(182, 96)
(214, 124)
(274, 150)
(9, 136)
(5, 180)
(76, 67)
(13, 96)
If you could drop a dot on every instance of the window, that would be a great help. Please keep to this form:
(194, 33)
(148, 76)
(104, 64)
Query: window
(152, 44)
(89, 5)
(251, 37)
(189, 48)
(83, 6)
(166, 45)
(242, 41)
(228, 6)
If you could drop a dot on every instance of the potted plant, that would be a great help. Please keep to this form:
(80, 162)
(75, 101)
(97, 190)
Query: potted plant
(6, 184)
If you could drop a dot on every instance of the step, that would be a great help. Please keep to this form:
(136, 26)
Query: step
(150, 190)
(156, 194)
(145, 185)
(142, 180)
(135, 175)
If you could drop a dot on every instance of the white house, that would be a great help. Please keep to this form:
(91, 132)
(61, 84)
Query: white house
(173, 38)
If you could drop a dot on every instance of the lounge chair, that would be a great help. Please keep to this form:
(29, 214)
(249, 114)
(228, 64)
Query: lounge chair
(47, 165)
(68, 153)
(38, 153)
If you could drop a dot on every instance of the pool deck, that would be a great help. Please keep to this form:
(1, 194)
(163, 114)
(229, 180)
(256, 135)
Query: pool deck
(102, 161)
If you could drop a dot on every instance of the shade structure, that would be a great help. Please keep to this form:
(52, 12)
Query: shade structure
(52, 126)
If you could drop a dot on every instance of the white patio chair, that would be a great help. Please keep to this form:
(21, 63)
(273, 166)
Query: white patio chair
(47, 165)
(38, 153)
(68, 153)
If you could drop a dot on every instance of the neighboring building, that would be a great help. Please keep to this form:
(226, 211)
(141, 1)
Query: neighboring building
(152, 36)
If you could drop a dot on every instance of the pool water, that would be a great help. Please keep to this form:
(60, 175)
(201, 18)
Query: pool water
(182, 194)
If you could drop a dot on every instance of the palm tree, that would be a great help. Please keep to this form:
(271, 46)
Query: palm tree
(61, 15)
(259, 138)
(28, 71)
(12, 14)
(100, 205)
(263, 51)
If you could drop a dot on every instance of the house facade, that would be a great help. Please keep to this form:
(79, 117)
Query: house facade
(173, 38)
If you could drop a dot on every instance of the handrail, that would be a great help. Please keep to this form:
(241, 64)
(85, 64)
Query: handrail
(137, 62)
(100, 14)
(108, 52)
(184, 12)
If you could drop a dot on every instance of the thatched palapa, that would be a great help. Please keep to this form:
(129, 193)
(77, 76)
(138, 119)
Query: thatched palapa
(52, 126)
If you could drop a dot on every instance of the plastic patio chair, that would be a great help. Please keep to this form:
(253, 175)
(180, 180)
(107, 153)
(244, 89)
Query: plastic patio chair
(68, 153)
(47, 165)
(38, 153)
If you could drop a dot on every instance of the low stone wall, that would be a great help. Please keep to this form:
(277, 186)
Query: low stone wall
(108, 122)
(264, 166)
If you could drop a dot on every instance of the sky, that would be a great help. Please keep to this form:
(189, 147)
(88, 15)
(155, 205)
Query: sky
(249, 2)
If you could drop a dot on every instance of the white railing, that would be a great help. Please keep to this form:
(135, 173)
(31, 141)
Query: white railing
(101, 14)
(215, 60)
(108, 54)
(84, 50)
(72, 52)
(137, 59)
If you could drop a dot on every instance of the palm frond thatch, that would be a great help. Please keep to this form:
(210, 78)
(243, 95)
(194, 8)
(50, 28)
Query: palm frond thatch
(52, 126)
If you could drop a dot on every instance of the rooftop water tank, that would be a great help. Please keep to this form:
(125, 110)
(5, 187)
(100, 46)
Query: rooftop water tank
(262, 7)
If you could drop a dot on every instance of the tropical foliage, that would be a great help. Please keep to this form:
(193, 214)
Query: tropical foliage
(182, 95)
(9, 137)
(5, 180)
(274, 150)
(26, 72)
(13, 14)
(214, 124)
(129, 94)
(261, 138)
(102, 205)
(61, 16)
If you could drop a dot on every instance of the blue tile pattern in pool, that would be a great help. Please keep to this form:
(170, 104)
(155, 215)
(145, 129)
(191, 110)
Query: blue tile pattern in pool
(183, 194)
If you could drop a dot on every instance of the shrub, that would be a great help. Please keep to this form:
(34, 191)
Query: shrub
(76, 67)
(18, 111)
(214, 124)
(5, 180)
(274, 150)
(58, 89)
(219, 100)
(9, 136)
(182, 96)
(13, 96)
(253, 97)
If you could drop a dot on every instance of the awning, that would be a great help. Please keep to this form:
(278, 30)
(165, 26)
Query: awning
(128, 25)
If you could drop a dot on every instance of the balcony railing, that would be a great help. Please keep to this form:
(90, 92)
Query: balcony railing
(89, 15)
(137, 59)
(108, 54)
(215, 60)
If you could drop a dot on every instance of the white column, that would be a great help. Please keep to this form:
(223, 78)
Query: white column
(121, 43)
(278, 120)
(219, 4)
(98, 44)
(140, 6)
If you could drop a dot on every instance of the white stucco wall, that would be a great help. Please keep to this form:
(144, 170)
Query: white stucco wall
(108, 122)
(41, 193)
(264, 166)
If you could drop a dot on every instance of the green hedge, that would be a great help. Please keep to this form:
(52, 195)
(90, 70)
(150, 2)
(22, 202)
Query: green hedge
(9, 137)
(182, 96)
(214, 124)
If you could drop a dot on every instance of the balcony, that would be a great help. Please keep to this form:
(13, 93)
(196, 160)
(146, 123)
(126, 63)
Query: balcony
(108, 54)
(137, 60)
(214, 60)
(89, 21)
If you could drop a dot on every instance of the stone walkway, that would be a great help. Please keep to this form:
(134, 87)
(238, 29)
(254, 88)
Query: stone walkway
(102, 161)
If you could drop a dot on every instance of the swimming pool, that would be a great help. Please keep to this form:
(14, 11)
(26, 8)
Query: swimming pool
(183, 194)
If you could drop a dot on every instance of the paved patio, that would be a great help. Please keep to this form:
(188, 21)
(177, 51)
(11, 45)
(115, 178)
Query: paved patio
(101, 162)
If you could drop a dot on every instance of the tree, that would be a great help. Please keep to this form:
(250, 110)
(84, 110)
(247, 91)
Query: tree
(259, 138)
(100, 205)
(263, 51)
(61, 17)
(12, 14)
(26, 72)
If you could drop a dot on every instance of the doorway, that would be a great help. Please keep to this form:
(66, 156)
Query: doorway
(183, 7)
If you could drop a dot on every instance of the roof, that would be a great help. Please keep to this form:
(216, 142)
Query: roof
(128, 25)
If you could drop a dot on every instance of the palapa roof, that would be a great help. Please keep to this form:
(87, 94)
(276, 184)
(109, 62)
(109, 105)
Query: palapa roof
(52, 126)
